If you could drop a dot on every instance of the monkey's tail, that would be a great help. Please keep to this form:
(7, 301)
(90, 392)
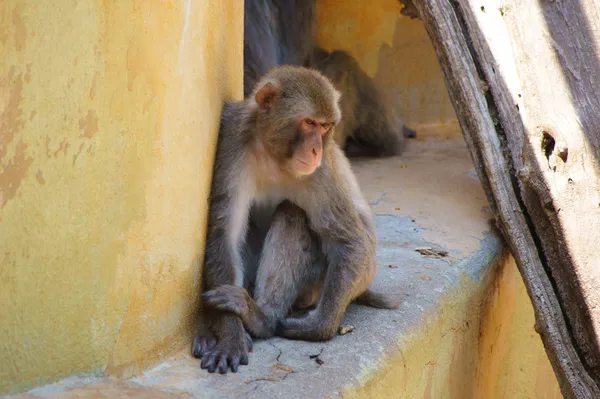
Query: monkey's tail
(378, 300)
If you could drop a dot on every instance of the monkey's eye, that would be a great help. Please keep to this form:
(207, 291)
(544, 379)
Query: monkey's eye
(309, 122)
(326, 125)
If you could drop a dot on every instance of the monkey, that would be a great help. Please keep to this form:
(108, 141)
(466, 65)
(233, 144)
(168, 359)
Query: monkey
(276, 33)
(366, 129)
(288, 224)
(281, 32)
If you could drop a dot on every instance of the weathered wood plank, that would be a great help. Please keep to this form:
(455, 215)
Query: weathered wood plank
(524, 79)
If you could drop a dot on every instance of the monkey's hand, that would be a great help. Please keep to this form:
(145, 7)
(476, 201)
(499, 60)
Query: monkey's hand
(228, 298)
(227, 347)
(312, 327)
(228, 352)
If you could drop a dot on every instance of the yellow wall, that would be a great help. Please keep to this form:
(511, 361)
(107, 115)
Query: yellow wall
(397, 52)
(480, 344)
(108, 118)
(512, 362)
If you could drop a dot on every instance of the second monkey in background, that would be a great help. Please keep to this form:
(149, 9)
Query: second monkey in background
(281, 32)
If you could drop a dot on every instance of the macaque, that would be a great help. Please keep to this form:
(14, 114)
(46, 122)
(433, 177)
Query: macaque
(281, 32)
(289, 228)
(367, 129)
(276, 32)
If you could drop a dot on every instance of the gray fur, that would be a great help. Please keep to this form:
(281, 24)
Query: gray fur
(267, 245)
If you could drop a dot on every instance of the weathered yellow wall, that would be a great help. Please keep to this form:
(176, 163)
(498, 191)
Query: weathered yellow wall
(512, 362)
(108, 119)
(397, 52)
(480, 344)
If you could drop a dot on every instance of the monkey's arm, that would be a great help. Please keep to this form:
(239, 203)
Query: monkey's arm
(222, 258)
(229, 298)
(229, 203)
(223, 342)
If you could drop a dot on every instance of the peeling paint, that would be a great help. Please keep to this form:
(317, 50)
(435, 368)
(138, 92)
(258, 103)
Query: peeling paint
(13, 173)
(63, 146)
(89, 125)
(28, 74)
(39, 176)
(10, 111)
(20, 33)
(77, 154)
(93, 87)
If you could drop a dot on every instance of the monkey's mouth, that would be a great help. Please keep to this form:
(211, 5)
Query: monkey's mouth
(305, 168)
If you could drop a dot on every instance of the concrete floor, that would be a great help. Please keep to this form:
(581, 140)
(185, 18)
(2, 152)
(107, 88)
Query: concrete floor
(428, 197)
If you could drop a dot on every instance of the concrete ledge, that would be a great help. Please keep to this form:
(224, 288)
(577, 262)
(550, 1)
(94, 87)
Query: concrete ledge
(428, 198)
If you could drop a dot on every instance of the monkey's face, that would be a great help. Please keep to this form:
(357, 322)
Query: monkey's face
(298, 145)
(306, 149)
(297, 108)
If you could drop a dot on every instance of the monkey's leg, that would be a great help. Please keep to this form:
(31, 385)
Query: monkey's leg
(290, 263)
(350, 269)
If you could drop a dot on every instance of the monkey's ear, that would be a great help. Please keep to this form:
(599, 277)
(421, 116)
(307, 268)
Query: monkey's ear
(267, 95)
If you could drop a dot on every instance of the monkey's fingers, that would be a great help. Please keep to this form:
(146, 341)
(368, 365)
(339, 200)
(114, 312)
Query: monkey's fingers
(244, 360)
(215, 360)
(209, 361)
(235, 363)
(222, 361)
(224, 356)
(249, 345)
(202, 344)
(223, 364)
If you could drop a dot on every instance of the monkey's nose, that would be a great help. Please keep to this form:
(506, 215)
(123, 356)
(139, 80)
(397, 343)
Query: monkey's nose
(316, 156)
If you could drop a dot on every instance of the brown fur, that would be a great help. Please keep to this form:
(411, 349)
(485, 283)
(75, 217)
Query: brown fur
(288, 224)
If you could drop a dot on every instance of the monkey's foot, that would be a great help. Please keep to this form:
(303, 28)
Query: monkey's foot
(231, 352)
(309, 328)
(227, 298)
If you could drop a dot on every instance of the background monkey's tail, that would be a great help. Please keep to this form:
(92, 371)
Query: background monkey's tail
(378, 300)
